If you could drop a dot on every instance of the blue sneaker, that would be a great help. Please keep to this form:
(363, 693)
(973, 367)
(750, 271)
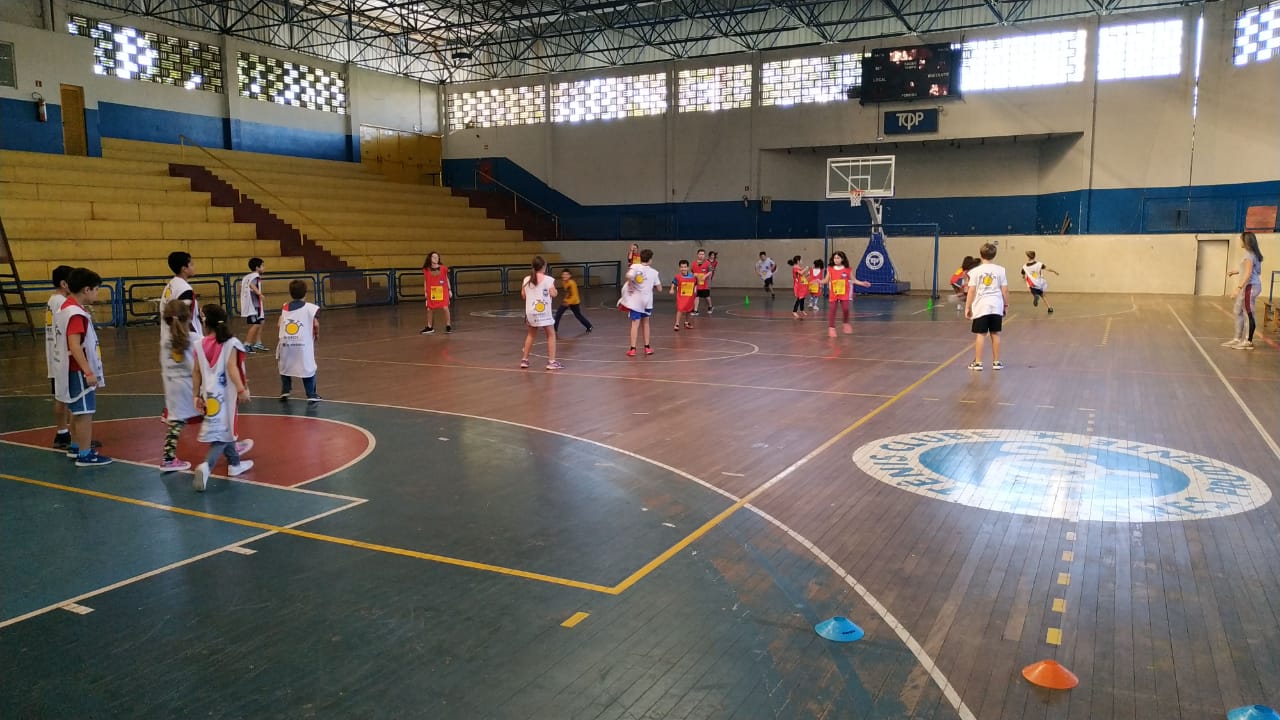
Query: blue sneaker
(91, 459)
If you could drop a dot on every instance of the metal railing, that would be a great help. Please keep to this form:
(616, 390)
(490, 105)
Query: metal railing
(516, 197)
(132, 301)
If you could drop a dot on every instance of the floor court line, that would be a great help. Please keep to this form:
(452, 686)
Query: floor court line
(1257, 425)
(160, 570)
(349, 542)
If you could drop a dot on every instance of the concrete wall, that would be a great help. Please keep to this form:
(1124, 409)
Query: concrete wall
(148, 111)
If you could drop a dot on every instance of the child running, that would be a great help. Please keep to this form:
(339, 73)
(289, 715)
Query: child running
(435, 280)
(1034, 272)
(176, 371)
(296, 348)
(221, 382)
(253, 305)
(815, 284)
(683, 286)
(61, 416)
(637, 298)
(986, 301)
(78, 364)
(538, 289)
(840, 282)
(799, 286)
(570, 301)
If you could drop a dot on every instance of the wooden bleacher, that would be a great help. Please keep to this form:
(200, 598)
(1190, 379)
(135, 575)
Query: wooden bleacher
(359, 215)
(121, 218)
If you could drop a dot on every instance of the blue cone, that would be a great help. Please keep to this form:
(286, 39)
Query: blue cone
(1253, 712)
(842, 629)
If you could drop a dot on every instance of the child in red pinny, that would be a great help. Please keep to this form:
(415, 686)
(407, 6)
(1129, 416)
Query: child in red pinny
(841, 281)
(435, 281)
(683, 286)
(799, 286)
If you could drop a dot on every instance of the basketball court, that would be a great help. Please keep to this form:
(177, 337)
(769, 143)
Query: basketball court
(447, 535)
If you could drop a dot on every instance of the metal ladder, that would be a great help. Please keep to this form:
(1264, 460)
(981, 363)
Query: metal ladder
(11, 289)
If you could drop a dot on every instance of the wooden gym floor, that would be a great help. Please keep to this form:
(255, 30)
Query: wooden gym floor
(448, 536)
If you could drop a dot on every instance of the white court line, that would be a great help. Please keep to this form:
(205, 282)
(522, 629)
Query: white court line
(1262, 431)
(167, 568)
(922, 656)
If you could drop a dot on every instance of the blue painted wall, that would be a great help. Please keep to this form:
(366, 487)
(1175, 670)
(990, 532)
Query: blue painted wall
(263, 138)
(134, 123)
(1214, 208)
(19, 129)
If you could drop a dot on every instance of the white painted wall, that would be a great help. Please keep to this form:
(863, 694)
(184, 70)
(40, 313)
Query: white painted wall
(1133, 134)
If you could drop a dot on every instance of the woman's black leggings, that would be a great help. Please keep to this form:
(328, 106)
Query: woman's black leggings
(798, 306)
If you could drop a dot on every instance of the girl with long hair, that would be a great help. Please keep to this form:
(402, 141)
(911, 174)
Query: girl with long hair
(1246, 292)
(538, 289)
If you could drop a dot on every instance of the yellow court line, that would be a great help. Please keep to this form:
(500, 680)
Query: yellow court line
(692, 537)
(322, 538)
(574, 619)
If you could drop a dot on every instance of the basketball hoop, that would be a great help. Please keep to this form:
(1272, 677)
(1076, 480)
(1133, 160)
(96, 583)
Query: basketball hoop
(855, 197)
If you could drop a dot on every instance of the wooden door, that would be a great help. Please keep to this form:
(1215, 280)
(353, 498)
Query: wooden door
(1211, 267)
(74, 141)
(369, 147)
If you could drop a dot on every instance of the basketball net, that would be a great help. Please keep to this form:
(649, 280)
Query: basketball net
(855, 197)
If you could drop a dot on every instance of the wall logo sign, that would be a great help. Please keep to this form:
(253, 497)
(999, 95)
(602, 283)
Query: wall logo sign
(910, 122)
(1061, 475)
(874, 260)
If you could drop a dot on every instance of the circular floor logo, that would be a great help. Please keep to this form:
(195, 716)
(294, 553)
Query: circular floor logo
(1061, 475)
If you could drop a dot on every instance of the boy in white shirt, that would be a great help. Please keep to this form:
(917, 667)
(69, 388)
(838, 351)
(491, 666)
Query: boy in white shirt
(1034, 272)
(637, 298)
(253, 306)
(61, 416)
(765, 268)
(985, 303)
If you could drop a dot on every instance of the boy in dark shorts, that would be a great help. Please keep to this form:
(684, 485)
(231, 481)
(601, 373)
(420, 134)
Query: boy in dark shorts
(985, 303)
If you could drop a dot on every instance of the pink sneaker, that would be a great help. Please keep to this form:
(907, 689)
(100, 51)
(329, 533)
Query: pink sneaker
(631, 352)
(244, 446)
(831, 332)
(648, 350)
(174, 465)
(848, 329)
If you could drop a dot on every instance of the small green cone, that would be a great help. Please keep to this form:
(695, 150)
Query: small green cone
(746, 300)
(930, 304)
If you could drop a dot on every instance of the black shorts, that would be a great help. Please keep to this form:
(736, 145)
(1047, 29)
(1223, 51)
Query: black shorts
(768, 282)
(987, 324)
(254, 320)
(957, 289)
(1037, 292)
(704, 293)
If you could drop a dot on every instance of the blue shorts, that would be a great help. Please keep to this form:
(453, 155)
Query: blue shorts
(637, 315)
(88, 403)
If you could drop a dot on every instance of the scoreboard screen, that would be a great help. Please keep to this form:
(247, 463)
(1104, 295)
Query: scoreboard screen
(921, 72)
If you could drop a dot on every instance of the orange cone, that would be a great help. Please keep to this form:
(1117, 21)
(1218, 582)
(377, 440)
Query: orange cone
(1049, 674)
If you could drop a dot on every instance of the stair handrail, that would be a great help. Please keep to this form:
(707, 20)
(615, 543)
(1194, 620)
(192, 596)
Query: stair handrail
(515, 195)
(183, 141)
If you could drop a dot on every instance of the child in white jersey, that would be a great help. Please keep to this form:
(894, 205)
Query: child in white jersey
(253, 307)
(296, 347)
(78, 364)
(61, 417)
(538, 289)
(176, 371)
(220, 384)
(1034, 272)
(184, 268)
(637, 298)
(986, 301)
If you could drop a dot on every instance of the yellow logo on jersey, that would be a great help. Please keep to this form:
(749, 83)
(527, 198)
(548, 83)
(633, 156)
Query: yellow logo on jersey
(211, 407)
(987, 280)
(292, 327)
(639, 278)
(48, 317)
(176, 356)
(539, 306)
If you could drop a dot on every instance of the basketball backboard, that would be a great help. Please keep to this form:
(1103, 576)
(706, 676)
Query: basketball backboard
(873, 175)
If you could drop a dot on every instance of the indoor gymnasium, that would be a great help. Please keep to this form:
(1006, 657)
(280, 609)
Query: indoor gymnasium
(919, 359)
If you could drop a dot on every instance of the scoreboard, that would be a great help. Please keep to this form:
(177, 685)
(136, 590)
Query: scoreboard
(921, 72)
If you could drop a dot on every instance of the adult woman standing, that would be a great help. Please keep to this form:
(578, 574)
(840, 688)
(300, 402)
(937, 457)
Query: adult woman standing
(1246, 292)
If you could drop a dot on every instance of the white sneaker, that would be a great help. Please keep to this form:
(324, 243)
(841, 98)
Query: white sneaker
(242, 468)
(1244, 345)
(200, 480)
(1233, 342)
(244, 446)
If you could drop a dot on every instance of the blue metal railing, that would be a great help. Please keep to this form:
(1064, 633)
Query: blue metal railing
(136, 300)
